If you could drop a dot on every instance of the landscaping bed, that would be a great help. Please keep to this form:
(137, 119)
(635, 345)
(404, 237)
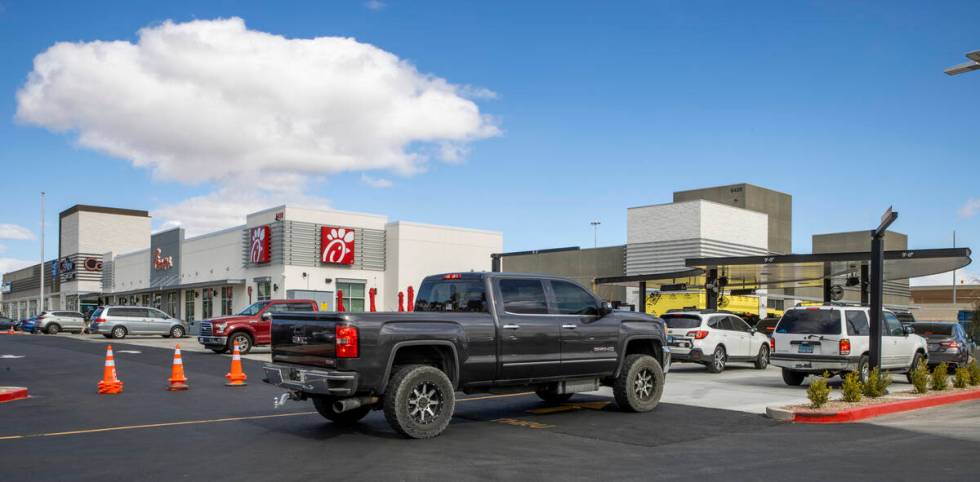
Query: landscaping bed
(838, 411)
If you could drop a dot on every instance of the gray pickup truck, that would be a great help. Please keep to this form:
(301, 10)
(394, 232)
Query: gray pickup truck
(470, 332)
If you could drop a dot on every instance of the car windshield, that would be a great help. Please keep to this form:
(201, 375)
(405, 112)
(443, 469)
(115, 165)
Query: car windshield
(810, 322)
(933, 330)
(682, 321)
(457, 295)
(253, 309)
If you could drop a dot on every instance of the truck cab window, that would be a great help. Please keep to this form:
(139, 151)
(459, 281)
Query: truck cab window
(573, 300)
(523, 296)
(466, 296)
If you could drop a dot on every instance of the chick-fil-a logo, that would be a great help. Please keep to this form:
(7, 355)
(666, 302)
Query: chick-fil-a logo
(336, 245)
(259, 250)
(161, 262)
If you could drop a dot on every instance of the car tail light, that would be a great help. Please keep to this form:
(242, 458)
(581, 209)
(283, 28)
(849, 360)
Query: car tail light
(698, 335)
(452, 276)
(772, 344)
(949, 344)
(346, 341)
(845, 346)
(101, 319)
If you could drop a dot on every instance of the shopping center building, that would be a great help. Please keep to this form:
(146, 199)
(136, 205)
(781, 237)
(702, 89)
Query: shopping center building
(110, 256)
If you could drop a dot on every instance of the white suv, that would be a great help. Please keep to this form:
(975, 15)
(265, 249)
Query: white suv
(714, 339)
(835, 339)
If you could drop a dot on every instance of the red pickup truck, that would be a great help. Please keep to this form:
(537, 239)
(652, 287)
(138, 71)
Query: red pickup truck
(250, 327)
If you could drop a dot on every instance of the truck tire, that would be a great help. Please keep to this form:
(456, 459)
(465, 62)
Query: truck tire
(718, 359)
(640, 384)
(549, 396)
(419, 401)
(244, 342)
(324, 405)
(218, 349)
(793, 379)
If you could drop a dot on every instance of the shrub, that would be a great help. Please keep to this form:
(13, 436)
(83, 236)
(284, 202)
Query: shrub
(852, 387)
(920, 377)
(974, 373)
(877, 384)
(940, 377)
(961, 377)
(818, 392)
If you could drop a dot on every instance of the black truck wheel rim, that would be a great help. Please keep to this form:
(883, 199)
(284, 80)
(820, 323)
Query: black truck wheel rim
(643, 384)
(425, 403)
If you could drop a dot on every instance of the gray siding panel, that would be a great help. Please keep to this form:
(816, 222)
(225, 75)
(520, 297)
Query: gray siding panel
(296, 243)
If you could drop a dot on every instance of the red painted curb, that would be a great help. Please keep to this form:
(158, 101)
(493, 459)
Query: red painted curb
(9, 394)
(862, 413)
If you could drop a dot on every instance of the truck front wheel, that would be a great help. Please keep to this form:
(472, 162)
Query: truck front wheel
(639, 384)
(324, 405)
(419, 401)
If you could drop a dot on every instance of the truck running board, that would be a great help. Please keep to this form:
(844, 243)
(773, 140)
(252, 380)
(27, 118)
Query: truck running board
(578, 386)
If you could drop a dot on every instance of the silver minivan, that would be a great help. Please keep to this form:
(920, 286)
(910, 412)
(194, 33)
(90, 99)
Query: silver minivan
(51, 322)
(119, 321)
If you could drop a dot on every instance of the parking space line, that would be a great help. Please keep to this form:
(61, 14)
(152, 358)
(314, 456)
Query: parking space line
(199, 422)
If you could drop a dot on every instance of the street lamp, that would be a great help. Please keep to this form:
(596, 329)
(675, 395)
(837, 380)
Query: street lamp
(595, 233)
(973, 64)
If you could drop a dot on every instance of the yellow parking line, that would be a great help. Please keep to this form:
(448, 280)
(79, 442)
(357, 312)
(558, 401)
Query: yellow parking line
(198, 422)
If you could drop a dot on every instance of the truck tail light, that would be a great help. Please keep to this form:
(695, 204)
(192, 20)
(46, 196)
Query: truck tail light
(844, 346)
(698, 335)
(346, 341)
(772, 345)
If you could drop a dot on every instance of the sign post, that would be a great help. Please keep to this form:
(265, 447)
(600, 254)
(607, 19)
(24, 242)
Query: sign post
(877, 283)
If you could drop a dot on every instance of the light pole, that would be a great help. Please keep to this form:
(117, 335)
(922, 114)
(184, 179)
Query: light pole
(595, 233)
(42, 256)
(971, 65)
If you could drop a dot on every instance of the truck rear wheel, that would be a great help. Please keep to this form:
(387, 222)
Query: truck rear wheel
(419, 401)
(640, 384)
(324, 405)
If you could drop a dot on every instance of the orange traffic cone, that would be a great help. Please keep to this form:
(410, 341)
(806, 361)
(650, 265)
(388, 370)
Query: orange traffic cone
(236, 378)
(110, 385)
(177, 379)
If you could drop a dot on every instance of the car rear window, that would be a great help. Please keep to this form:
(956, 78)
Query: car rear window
(459, 295)
(96, 313)
(810, 322)
(682, 321)
(933, 329)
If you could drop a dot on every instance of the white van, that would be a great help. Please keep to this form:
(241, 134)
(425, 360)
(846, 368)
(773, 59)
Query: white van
(834, 338)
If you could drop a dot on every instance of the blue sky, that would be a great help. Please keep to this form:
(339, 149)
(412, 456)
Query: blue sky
(844, 105)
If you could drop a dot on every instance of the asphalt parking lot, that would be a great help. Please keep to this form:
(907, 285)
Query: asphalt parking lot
(67, 431)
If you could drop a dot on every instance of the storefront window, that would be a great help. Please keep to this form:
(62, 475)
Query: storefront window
(226, 302)
(207, 300)
(33, 309)
(146, 300)
(264, 290)
(189, 296)
(172, 304)
(353, 295)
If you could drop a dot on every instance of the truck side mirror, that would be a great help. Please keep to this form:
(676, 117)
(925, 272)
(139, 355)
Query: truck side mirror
(907, 330)
(605, 308)
(267, 316)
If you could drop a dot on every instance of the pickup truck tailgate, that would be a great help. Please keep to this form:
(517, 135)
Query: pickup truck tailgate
(304, 338)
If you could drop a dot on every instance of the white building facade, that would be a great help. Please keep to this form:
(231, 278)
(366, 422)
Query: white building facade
(284, 252)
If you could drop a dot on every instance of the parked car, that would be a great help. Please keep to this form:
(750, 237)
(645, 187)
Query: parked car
(29, 324)
(835, 339)
(120, 321)
(471, 332)
(948, 342)
(51, 322)
(250, 327)
(714, 338)
(7, 323)
(767, 326)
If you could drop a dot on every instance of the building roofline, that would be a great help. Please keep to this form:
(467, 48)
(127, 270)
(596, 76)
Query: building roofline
(732, 185)
(698, 201)
(104, 210)
(452, 228)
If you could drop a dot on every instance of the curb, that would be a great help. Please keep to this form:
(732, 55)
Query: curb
(853, 415)
(9, 394)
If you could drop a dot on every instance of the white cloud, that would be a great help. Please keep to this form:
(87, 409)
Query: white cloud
(211, 101)
(970, 208)
(226, 208)
(376, 182)
(375, 5)
(962, 277)
(12, 264)
(14, 231)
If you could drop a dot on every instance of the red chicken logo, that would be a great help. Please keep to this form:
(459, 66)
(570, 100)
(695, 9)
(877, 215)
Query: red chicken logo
(336, 245)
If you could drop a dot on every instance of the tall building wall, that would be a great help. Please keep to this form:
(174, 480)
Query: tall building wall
(776, 205)
(581, 265)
